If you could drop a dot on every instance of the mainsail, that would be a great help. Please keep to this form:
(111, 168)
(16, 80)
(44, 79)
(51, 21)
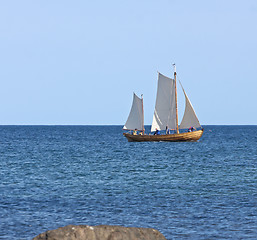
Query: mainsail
(165, 106)
(136, 115)
(189, 119)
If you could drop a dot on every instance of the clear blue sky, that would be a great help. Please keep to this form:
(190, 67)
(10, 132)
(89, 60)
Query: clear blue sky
(79, 62)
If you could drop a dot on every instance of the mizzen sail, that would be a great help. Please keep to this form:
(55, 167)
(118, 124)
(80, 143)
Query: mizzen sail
(189, 119)
(135, 118)
(165, 106)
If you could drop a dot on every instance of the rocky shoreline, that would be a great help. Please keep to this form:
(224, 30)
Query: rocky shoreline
(100, 232)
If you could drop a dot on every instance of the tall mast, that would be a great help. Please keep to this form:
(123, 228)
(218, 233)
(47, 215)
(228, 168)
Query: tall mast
(143, 115)
(175, 78)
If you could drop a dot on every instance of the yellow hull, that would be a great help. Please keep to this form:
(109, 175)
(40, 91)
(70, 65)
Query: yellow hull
(180, 137)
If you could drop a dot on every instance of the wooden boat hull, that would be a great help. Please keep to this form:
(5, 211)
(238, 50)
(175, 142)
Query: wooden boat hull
(180, 137)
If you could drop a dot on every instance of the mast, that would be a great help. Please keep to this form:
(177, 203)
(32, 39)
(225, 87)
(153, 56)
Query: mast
(175, 78)
(143, 129)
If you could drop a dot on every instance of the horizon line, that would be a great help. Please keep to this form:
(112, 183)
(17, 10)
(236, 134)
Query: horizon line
(114, 125)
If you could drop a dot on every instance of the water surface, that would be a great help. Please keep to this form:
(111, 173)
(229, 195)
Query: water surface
(52, 176)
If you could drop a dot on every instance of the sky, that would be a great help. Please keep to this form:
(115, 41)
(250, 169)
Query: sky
(78, 62)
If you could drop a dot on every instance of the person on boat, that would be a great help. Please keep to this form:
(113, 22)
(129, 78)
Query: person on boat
(167, 130)
(191, 129)
(135, 132)
(157, 132)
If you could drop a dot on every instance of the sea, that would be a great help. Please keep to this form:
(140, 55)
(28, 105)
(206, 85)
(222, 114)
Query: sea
(53, 176)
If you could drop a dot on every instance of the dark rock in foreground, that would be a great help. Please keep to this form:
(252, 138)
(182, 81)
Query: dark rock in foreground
(101, 232)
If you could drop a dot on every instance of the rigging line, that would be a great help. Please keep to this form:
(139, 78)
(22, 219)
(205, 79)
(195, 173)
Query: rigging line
(179, 81)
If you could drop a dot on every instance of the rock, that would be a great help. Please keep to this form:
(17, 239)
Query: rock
(101, 232)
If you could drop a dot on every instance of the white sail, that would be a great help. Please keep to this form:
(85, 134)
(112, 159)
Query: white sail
(189, 119)
(165, 106)
(135, 118)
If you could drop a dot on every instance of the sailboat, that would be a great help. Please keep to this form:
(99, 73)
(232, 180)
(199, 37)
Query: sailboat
(165, 116)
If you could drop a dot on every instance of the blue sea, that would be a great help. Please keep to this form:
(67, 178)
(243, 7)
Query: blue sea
(52, 176)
